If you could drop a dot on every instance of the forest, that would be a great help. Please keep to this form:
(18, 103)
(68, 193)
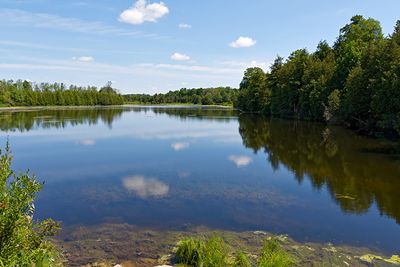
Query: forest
(355, 82)
(208, 96)
(24, 93)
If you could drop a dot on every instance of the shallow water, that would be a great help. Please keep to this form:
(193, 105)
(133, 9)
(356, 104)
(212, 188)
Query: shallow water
(174, 168)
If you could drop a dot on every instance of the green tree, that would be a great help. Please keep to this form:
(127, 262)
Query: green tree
(352, 42)
(254, 94)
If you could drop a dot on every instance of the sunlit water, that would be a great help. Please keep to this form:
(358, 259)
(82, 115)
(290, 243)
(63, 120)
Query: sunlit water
(172, 168)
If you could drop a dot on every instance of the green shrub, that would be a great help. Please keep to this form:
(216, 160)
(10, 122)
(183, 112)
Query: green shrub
(190, 252)
(241, 260)
(199, 253)
(216, 252)
(22, 241)
(272, 255)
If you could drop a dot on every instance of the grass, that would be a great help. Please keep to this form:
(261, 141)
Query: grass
(273, 255)
(197, 252)
(214, 252)
(242, 260)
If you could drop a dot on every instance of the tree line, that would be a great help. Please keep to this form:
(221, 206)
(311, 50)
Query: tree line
(207, 96)
(24, 93)
(355, 82)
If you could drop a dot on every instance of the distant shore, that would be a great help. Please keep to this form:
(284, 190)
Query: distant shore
(29, 108)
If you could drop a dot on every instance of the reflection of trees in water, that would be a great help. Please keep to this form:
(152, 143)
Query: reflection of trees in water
(56, 118)
(355, 169)
(60, 118)
(194, 113)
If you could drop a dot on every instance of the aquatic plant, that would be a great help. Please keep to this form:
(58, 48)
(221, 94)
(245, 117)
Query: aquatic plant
(189, 251)
(214, 252)
(241, 260)
(196, 252)
(273, 255)
(23, 242)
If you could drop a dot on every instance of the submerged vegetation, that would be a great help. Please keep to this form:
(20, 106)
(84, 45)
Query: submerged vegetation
(214, 252)
(355, 83)
(23, 242)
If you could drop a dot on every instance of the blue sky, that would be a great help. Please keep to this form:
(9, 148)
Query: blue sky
(153, 46)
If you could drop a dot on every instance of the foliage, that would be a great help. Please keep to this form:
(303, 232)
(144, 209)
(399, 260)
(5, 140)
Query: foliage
(24, 93)
(254, 95)
(209, 96)
(22, 241)
(356, 82)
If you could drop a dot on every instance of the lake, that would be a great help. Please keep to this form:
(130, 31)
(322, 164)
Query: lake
(171, 168)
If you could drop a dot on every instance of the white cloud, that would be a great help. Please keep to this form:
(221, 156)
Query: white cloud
(243, 42)
(180, 146)
(141, 12)
(184, 26)
(85, 59)
(180, 57)
(240, 161)
(145, 187)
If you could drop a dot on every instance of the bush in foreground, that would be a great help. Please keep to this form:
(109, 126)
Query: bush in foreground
(22, 241)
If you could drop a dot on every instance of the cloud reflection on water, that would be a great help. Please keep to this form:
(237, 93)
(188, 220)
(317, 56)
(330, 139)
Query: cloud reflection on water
(178, 146)
(240, 161)
(145, 187)
(87, 142)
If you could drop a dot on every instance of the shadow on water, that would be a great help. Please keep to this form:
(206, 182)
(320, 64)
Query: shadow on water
(57, 118)
(19, 120)
(357, 171)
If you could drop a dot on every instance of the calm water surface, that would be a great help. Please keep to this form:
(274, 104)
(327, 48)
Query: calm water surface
(171, 168)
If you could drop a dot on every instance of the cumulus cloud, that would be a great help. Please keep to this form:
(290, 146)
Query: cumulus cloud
(145, 187)
(86, 59)
(240, 161)
(184, 26)
(142, 12)
(180, 146)
(243, 42)
(180, 57)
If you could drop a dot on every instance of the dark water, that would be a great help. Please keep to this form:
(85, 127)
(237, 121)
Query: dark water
(173, 168)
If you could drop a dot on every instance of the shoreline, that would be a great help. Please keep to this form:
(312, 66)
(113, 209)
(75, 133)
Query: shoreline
(33, 108)
(111, 244)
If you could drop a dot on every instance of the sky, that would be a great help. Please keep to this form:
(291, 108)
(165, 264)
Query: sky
(156, 46)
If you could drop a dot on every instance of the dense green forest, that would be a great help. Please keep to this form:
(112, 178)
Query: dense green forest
(356, 82)
(23, 93)
(208, 96)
